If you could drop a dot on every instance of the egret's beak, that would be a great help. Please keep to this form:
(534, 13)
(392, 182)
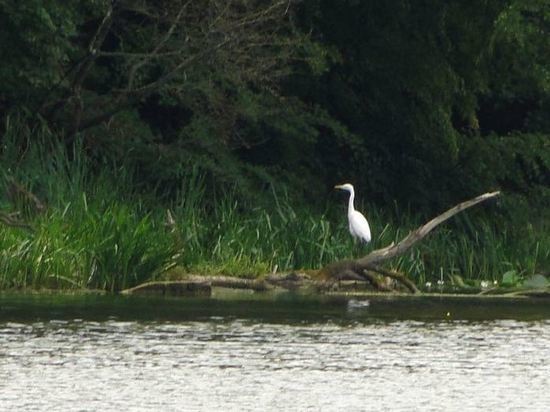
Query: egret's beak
(338, 187)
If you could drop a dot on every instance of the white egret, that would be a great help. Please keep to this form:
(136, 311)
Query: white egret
(358, 225)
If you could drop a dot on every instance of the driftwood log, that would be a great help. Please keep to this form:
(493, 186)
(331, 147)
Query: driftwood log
(179, 288)
(347, 273)
(365, 266)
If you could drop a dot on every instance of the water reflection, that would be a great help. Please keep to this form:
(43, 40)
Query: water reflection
(241, 364)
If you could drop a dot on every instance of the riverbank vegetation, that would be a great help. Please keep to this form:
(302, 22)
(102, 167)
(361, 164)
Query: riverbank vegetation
(141, 141)
(104, 230)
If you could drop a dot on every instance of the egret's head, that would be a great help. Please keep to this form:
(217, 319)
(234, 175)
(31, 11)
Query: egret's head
(346, 186)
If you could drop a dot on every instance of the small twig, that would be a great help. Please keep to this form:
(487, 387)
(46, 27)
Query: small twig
(156, 50)
(16, 191)
(10, 219)
(93, 48)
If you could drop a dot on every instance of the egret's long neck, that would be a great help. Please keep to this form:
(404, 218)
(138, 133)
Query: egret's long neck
(351, 198)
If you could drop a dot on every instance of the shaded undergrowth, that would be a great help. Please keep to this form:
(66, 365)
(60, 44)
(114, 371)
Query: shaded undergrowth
(101, 229)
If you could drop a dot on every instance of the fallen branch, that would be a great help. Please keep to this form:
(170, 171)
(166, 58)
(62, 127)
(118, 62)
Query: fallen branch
(178, 288)
(195, 285)
(231, 282)
(365, 270)
(372, 261)
(391, 251)
(397, 276)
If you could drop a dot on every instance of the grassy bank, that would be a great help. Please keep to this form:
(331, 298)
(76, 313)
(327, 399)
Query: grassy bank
(102, 229)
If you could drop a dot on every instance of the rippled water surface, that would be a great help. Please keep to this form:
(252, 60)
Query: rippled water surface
(92, 356)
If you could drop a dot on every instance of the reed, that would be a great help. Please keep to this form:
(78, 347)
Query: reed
(98, 231)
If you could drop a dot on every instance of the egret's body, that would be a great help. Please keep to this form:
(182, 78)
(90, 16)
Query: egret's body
(358, 225)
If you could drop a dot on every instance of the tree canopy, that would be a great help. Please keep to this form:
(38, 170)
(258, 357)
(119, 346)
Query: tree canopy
(423, 102)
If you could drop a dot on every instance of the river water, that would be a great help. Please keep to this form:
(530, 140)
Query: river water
(120, 354)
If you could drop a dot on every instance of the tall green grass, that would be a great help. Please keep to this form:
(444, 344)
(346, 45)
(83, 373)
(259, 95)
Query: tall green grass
(100, 231)
(95, 233)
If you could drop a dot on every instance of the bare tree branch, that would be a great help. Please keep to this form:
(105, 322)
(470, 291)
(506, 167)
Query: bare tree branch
(12, 220)
(372, 261)
(391, 251)
(156, 50)
(93, 48)
(251, 41)
(128, 97)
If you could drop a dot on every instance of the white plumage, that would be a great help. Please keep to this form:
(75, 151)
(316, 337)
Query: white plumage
(358, 225)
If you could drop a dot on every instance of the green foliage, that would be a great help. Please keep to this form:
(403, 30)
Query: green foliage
(239, 118)
(518, 163)
(87, 237)
(510, 278)
(397, 91)
(522, 30)
(389, 96)
(36, 39)
(98, 233)
(417, 85)
(125, 246)
(75, 248)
